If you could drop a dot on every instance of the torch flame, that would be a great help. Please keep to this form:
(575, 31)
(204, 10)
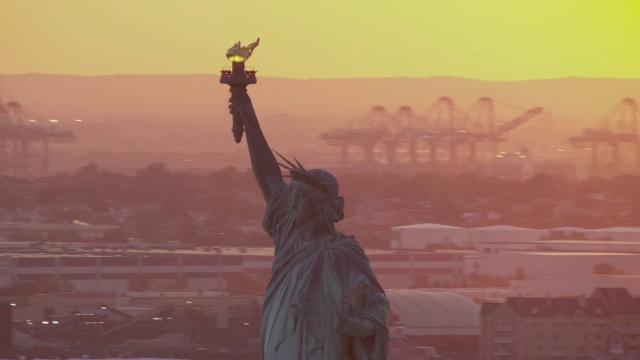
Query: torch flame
(238, 53)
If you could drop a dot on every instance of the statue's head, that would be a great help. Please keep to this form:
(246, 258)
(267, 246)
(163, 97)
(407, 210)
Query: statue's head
(316, 193)
(319, 179)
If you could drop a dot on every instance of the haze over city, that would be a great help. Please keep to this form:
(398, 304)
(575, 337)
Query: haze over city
(575, 59)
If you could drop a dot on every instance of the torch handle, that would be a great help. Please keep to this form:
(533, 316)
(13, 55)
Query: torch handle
(237, 129)
(238, 100)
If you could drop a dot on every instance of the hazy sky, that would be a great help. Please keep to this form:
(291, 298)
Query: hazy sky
(481, 39)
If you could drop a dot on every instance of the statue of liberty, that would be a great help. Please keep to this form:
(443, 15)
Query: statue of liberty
(322, 301)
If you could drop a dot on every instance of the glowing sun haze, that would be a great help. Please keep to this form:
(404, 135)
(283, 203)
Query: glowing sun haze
(487, 39)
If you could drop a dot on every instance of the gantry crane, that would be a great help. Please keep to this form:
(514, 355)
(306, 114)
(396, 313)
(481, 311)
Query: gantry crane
(483, 127)
(439, 133)
(25, 141)
(617, 130)
(363, 132)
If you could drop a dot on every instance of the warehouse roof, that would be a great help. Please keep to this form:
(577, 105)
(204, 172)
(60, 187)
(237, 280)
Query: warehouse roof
(429, 226)
(431, 312)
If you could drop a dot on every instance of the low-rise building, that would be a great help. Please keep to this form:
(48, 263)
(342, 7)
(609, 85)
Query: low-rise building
(91, 233)
(488, 238)
(422, 323)
(115, 271)
(419, 236)
(605, 326)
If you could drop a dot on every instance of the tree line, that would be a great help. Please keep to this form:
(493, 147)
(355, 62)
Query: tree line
(225, 207)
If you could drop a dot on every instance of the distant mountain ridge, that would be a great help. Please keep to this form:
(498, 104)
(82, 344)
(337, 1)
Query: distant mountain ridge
(307, 105)
(174, 97)
(131, 120)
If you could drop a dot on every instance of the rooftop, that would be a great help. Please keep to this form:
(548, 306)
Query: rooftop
(430, 312)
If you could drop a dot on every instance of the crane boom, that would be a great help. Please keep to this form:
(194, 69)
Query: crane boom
(518, 121)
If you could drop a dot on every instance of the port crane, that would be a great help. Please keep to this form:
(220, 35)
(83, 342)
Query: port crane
(25, 140)
(616, 133)
(405, 136)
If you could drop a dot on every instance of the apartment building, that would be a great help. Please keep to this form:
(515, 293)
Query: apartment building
(605, 325)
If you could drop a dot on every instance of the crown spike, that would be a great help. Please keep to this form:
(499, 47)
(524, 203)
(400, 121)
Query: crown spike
(285, 159)
(300, 165)
(282, 165)
(299, 173)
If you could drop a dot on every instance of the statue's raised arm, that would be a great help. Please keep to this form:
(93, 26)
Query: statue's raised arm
(263, 162)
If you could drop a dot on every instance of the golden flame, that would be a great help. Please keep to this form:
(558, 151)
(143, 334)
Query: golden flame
(238, 53)
(236, 58)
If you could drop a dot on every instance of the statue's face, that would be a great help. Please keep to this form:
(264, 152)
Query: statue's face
(303, 203)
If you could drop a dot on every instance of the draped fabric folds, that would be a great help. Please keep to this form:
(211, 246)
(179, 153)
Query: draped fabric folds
(312, 284)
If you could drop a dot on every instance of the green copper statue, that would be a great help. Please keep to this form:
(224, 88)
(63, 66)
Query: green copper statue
(322, 301)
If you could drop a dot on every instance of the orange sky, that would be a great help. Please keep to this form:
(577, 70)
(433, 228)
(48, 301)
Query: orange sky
(489, 39)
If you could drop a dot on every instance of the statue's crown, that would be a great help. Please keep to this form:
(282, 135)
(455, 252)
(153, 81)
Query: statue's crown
(319, 179)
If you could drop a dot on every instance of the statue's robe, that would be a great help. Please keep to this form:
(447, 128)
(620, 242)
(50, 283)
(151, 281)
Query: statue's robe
(312, 282)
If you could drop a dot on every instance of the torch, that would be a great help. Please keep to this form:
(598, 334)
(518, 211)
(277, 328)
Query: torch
(238, 77)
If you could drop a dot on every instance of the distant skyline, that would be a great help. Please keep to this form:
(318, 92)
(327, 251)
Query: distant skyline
(487, 40)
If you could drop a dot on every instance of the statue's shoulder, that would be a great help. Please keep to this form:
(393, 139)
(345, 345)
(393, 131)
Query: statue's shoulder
(279, 196)
(342, 237)
(345, 243)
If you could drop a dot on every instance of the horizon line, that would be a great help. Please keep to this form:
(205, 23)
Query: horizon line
(336, 78)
